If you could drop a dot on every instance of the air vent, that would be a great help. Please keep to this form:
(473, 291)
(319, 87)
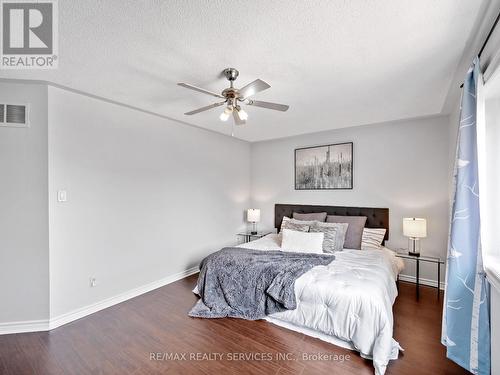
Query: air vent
(14, 115)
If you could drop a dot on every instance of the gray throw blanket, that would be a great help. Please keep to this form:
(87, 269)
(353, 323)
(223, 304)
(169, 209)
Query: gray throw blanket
(250, 284)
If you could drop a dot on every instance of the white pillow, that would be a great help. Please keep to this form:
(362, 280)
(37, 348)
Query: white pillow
(303, 242)
(372, 238)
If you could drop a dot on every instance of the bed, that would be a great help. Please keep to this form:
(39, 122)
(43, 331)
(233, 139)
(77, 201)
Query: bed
(349, 301)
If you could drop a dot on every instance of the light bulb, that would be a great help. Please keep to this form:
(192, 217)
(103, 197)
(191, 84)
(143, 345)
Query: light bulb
(224, 116)
(227, 112)
(243, 114)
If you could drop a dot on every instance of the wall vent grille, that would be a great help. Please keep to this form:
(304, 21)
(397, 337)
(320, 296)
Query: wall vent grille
(14, 115)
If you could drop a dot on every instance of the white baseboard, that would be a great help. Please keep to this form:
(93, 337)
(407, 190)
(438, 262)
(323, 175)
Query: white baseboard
(428, 282)
(24, 326)
(46, 325)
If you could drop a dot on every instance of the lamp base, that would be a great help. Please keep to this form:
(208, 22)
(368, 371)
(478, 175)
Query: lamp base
(254, 228)
(413, 246)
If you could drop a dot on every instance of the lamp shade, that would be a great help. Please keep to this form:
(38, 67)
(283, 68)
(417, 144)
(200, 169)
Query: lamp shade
(253, 215)
(414, 227)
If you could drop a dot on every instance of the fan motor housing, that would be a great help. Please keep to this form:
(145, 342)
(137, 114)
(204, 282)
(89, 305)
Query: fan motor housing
(231, 74)
(231, 93)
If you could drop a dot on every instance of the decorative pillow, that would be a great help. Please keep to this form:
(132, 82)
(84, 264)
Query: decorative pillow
(315, 216)
(297, 225)
(372, 238)
(334, 235)
(302, 242)
(354, 230)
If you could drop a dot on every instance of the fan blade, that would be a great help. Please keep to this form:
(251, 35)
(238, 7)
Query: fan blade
(206, 108)
(268, 105)
(199, 89)
(237, 119)
(252, 88)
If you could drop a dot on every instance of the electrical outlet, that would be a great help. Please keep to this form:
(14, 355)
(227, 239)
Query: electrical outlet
(92, 282)
(62, 196)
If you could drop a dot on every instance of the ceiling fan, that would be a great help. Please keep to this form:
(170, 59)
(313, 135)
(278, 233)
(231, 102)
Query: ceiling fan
(233, 97)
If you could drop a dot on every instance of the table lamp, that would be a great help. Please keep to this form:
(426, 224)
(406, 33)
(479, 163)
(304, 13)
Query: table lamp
(253, 216)
(414, 228)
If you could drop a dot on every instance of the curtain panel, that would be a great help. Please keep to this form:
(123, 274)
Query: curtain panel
(466, 319)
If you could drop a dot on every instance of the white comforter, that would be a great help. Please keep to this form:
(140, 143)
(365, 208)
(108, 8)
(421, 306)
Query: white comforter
(349, 302)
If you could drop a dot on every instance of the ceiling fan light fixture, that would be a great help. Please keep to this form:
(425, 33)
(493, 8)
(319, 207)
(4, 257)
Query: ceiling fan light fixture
(243, 114)
(232, 96)
(224, 116)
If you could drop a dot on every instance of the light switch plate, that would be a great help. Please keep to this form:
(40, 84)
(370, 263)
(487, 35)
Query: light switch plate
(62, 196)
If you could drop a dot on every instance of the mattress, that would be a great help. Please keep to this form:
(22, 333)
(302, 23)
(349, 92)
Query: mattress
(347, 303)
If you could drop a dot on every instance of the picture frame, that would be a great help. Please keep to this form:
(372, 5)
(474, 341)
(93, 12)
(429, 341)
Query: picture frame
(325, 167)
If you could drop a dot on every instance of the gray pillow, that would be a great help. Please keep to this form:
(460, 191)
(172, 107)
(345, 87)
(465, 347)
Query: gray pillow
(334, 235)
(316, 216)
(354, 230)
(293, 225)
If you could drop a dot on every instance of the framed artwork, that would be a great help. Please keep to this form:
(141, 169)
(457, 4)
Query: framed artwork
(324, 167)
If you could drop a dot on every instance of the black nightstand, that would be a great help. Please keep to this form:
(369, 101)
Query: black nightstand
(427, 259)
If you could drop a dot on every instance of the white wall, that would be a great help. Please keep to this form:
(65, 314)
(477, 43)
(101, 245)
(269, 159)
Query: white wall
(24, 252)
(400, 165)
(491, 180)
(147, 197)
(490, 221)
(495, 329)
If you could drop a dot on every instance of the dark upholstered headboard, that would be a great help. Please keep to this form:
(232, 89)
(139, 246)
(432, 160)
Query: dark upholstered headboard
(377, 217)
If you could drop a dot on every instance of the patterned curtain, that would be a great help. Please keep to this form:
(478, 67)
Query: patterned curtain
(466, 320)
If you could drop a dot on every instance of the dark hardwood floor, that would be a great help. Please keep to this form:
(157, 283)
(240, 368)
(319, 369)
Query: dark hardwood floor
(124, 338)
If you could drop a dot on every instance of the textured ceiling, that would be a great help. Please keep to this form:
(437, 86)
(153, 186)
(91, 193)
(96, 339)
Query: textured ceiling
(336, 63)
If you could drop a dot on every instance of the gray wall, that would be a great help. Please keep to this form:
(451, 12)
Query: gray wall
(24, 243)
(147, 197)
(400, 165)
